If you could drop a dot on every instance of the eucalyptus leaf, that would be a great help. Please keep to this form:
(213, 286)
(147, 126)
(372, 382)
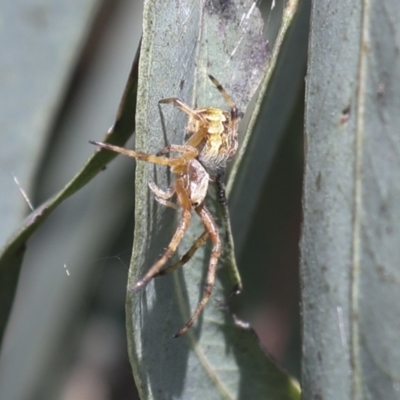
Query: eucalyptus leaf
(32, 88)
(275, 102)
(351, 232)
(11, 255)
(39, 42)
(216, 358)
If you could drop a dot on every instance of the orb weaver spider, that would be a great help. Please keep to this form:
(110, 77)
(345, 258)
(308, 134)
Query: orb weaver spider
(190, 189)
(214, 133)
(213, 139)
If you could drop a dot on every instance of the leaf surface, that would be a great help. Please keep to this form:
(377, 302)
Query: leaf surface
(11, 255)
(215, 358)
(350, 244)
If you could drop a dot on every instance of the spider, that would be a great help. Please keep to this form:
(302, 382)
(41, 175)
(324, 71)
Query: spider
(212, 131)
(190, 189)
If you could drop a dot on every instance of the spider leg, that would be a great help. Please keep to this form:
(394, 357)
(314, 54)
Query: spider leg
(235, 113)
(170, 162)
(183, 107)
(188, 152)
(166, 203)
(212, 230)
(162, 196)
(221, 190)
(187, 256)
(197, 136)
(184, 201)
(160, 193)
(226, 228)
(225, 95)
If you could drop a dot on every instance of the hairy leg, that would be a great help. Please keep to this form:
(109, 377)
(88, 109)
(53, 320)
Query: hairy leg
(212, 229)
(200, 241)
(176, 239)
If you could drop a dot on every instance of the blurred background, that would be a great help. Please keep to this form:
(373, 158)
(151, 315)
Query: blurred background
(65, 65)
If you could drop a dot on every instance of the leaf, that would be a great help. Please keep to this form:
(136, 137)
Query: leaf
(216, 358)
(275, 102)
(351, 232)
(32, 89)
(12, 253)
(28, 103)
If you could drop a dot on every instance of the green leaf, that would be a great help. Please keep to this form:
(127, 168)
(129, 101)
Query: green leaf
(351, 232)
(215, 358)
(275, 103)
(11, 255)
(33, 85)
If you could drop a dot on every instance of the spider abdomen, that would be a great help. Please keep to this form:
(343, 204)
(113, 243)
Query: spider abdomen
(220, 141)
